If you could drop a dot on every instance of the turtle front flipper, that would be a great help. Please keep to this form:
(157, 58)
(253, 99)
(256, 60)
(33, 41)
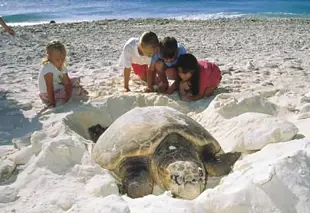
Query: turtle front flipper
(136, 179)
(221, 165)
(218, 165)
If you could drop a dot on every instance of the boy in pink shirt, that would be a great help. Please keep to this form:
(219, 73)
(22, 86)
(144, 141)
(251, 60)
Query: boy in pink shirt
(136, 55)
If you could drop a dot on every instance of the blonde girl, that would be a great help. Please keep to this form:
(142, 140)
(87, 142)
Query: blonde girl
(55, 86)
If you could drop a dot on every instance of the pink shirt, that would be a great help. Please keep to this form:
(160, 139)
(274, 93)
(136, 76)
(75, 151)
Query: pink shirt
(210, 76)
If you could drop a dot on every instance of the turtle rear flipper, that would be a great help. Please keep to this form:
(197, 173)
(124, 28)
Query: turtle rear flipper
(221, 165)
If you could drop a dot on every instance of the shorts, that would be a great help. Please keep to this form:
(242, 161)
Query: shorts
(61, 95)
(140, 70)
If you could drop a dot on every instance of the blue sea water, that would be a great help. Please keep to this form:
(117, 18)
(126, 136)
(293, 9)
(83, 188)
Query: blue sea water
(36, 11)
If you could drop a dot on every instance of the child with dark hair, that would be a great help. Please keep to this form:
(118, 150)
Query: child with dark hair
(136, 55)
(197, 79)
(163, 64)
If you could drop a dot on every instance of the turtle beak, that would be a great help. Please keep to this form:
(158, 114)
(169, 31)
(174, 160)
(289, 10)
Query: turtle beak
(191, 191)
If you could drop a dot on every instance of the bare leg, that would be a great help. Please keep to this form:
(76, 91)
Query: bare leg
(171, 73)
(142, 77)
(160, 68)
(221, 165)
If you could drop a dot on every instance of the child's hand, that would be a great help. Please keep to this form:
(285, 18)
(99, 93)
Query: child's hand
(186, 98)
(147, 90)
(185, 85)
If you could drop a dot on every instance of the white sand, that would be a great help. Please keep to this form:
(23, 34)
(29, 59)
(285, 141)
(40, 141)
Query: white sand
(262, 108)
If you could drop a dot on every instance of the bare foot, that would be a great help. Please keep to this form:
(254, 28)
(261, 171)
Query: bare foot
(126, 89)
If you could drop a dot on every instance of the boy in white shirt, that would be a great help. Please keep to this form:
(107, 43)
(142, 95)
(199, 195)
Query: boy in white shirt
(136, 54)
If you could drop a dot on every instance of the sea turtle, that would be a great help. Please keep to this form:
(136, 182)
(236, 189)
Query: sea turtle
(160, 145)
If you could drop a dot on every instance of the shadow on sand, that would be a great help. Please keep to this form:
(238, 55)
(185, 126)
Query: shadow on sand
(13, 123)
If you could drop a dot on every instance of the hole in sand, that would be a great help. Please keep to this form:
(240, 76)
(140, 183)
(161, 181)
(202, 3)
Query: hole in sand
(88, 117)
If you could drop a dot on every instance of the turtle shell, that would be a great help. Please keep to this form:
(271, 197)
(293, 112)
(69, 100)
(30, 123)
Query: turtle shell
(139, 131)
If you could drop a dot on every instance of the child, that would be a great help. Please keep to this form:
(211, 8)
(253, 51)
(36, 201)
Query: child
(198, 79)
(163, 64)
(137, 54)
(54, 84)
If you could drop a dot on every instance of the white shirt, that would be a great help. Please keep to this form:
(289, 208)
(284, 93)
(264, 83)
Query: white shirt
(57, 77)
(130, 54)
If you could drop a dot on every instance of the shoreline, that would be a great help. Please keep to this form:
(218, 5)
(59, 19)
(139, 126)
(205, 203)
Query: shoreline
(175, 20)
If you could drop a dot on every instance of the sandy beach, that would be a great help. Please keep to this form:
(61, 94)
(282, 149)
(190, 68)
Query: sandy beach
(261, 108)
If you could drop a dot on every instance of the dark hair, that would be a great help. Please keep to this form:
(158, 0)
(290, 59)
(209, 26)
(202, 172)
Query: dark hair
(168, 47)
(189, 63)
(149, 38)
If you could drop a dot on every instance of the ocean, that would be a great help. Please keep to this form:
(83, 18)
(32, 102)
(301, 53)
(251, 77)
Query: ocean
(35, 11)
(41, 11)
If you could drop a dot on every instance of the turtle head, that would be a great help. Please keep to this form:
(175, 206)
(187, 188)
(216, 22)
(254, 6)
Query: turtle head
(185, 179)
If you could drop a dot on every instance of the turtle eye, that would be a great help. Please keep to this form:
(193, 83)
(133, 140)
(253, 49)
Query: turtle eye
(177, 179)
(200, 172)
(174, 177)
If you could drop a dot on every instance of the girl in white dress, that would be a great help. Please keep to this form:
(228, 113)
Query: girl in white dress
(55, 86)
